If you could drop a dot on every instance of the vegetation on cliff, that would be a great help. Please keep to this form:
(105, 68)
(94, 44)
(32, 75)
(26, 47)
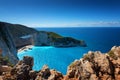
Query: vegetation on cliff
(54, 35)
(5, 61)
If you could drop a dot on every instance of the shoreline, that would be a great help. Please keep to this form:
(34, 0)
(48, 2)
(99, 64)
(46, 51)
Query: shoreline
(28, 47)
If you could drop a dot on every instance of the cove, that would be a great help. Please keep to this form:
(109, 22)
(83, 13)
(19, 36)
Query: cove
(55, 58)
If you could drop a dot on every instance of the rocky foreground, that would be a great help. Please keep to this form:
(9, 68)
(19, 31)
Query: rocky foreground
(93, 66)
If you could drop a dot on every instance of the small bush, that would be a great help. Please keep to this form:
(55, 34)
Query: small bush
(86, 57)
(111, 54)
(5, 61)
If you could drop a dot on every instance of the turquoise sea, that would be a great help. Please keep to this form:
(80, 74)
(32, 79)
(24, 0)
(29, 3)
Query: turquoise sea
(97, 39)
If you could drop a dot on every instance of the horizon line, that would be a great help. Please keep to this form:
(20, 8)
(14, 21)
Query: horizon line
(81, 27)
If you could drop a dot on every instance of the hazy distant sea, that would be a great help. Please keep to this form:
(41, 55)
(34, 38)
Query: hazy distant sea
(97, 39)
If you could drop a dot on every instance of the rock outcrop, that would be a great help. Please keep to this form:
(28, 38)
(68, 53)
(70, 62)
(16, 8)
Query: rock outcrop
(7, 44)
(47, 74)
(23, 71)
(96, 66)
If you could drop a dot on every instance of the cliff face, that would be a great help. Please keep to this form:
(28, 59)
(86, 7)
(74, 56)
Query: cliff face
(43, 38)
(19, 32)
(7, 44)
(93, 66)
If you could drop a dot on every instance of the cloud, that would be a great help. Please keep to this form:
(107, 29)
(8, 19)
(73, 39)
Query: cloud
(79, 24)
(101, 24)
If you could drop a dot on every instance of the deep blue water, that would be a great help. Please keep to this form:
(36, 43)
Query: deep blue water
(97, 39)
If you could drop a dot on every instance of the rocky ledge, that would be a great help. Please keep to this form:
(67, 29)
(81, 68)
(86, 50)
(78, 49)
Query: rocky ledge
(93, 66)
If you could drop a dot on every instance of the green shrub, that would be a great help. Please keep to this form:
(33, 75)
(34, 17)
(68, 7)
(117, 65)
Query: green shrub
(5, 61)
(86, 57)
(111, 54)
(54, 35)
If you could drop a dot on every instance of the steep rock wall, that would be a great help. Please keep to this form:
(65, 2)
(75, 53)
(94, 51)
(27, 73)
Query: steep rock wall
(7, 44)
(41, 39)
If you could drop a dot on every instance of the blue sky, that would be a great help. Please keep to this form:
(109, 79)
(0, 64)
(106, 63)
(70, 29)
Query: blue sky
(61, 13)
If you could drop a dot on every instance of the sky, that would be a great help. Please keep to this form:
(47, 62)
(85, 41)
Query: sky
(61, 13)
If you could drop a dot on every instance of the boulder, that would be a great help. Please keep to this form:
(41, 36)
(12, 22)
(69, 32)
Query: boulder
(55, 75)
(5, 68)
(44, 73)
(22, 69)
(33, 74)
(47, 74)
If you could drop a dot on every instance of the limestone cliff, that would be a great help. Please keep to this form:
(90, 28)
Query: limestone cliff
(7, 44)
(19, 32)
(43, 38)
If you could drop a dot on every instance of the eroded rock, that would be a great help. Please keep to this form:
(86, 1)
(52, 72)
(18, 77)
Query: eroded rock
(96, 66)
(47, 74)
(22, 69)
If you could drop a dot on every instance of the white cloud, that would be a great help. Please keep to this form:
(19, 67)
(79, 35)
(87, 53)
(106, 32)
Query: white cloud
(101, 23)
(80, 24)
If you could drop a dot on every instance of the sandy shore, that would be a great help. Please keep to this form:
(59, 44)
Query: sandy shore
(28, 47)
